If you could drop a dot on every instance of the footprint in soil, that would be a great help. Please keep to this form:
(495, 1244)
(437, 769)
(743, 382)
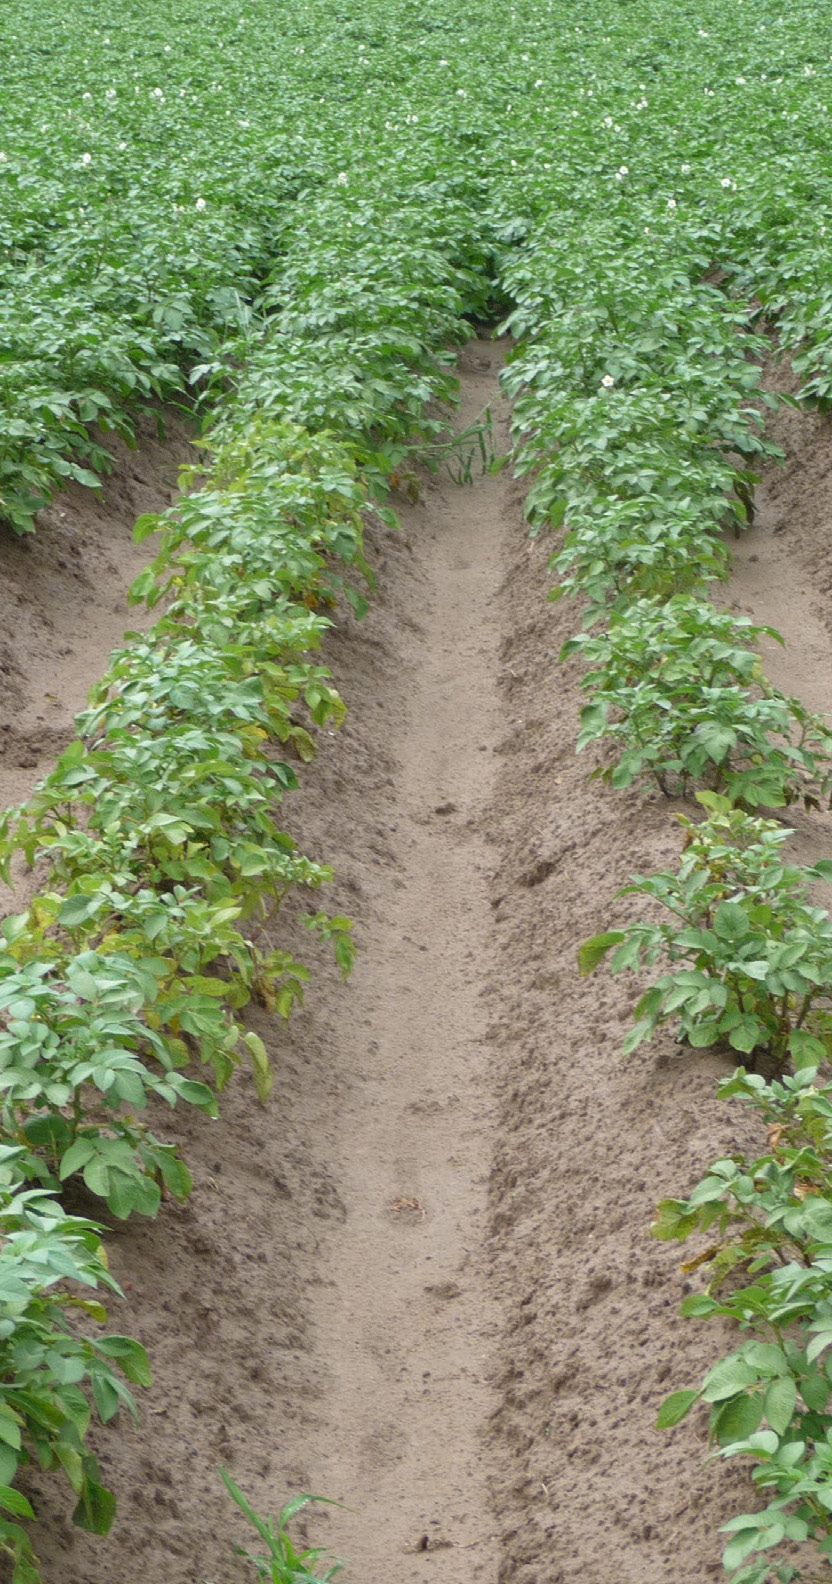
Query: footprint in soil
(595, 1289)
(445, 1290)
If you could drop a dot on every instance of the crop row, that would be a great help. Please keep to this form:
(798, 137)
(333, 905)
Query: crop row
(160, 823)
(639, 416)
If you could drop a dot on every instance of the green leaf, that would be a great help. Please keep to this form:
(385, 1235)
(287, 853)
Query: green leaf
(142, 586)
(731, 922)
(640, 1031)
(197, 1094)
(107, 1399)
(263, 1075)
(72, 1463)
(740, 1548)
(175, 1174)
(698, 1306)
(146, 525)
(15, 1502)
(674, 1409)
(766, 1357)
(780, 1402)
(97, 1176)
(49, 1130)
(304, 743)
(806, 1050)
(818, 1344)
(96, 1509)
(704, 1033)
(68, 1368)
(9, 1427)
(76, 1157)
(727, 1378)
(84, 476)
(594, 951)
(131, 1356)
(129, 1192)
(717, 740)
(345, 955)
(77, 909)
(673, 1221)
(766, 1441)
(740, 1417)
(746, 1035)
(815, 1391)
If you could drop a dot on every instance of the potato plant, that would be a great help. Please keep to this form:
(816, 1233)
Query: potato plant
(46, 1362)
(749, 957)
(678, 697)
(768, 1225)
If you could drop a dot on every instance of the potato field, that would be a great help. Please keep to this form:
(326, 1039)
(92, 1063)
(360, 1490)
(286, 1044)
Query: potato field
(415, 790)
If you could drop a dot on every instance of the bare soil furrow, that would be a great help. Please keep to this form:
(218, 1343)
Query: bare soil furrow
(408, 1337)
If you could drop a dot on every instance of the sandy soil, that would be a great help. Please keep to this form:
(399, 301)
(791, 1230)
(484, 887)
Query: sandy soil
(421, 1280)
(63, 605)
